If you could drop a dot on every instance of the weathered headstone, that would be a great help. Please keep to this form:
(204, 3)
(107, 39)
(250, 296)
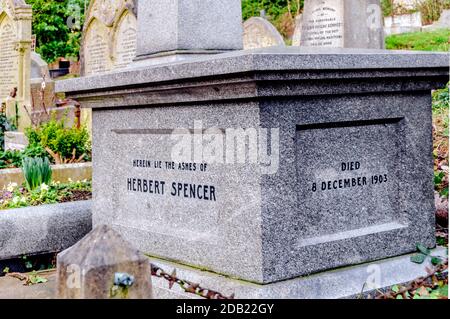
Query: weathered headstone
(109, 39)
(109, 36)
(260, 33)
(42, 86)
(15, 141)
(15, 48)
(403, 23)
(267, 164)
(342, 24)
(103, 266)
(444, 20)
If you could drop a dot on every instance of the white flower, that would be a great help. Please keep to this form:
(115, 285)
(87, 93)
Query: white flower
(70, 180)
(11, 187)
(44, 187)
(16, 200)
(23, 200)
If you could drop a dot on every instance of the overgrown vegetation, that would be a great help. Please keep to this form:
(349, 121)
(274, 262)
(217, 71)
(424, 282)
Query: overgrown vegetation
(17, 196)
(57, 26)
(431, 9)
(63, 145)
(437, 40)
(281, 13)
(52, 140)
(10, 159)
(387, 7)
(441, 102)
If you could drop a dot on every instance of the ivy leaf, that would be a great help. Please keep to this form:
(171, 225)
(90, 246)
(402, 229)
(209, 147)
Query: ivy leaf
(418, 258)
(395, 288)
(34, 279)
(424, 250)
(436, 261)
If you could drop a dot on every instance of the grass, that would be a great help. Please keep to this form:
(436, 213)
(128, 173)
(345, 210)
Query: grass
(437, 40)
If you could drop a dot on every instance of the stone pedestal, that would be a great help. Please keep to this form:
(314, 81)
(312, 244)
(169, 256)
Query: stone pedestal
(270, 164)
(192, 28)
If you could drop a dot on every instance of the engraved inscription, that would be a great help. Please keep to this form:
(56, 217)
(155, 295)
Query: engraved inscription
(96, 53)
(126, 41)
(8, 58)
(323, 24)
(171, 188)
(350, 182)
(348, 175)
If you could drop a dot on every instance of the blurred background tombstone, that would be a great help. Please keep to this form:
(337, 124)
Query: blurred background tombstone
(260, 33)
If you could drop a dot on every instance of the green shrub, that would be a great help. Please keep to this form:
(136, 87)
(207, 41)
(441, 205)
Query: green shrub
(36, 171)
(54, 37)
(388, 7)
(54, 138)
(35, 151)
(10, 159)
(431, 9)
(441, 98)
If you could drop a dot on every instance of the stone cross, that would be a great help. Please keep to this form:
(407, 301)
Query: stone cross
(187, 28)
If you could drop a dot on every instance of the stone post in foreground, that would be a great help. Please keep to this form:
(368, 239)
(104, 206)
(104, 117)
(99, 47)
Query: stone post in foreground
(103, 266)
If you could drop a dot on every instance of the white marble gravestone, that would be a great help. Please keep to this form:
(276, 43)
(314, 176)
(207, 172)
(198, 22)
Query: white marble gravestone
(342, 24)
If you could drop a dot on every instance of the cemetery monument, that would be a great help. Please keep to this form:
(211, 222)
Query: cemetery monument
(263, 165)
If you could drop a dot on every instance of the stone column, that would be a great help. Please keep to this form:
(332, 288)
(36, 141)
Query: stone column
(188, 29)
(21, 16)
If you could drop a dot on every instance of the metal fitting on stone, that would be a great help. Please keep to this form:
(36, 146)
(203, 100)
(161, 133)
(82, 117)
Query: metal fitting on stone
(123, 279)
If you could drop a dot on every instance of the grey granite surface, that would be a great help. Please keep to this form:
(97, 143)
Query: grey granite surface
(348, 282)
(296, 59)
(350, 144)
(189, 26)
(43, 229)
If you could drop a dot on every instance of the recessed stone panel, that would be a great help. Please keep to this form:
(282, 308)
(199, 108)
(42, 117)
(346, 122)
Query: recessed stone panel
(348, 175)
